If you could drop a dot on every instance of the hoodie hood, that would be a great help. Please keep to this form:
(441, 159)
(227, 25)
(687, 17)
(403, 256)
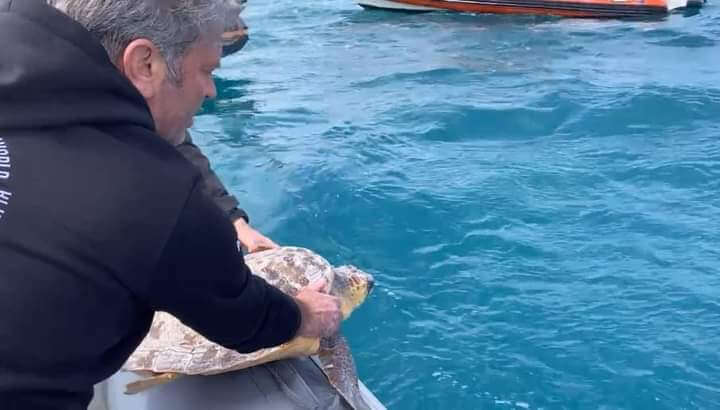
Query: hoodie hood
(53, 73)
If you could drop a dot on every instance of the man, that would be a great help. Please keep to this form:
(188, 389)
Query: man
(102, 222)
(234, 38)
(248, 237)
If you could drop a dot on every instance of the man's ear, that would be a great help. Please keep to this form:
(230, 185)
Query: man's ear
(145, 67)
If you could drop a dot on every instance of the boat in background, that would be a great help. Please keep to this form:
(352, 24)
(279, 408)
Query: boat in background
(563, 8)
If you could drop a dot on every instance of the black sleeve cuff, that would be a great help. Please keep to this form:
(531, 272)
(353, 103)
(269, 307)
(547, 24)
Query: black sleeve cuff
(237, 213)
(283, 310)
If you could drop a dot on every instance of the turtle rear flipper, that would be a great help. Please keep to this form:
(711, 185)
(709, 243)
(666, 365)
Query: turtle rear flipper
(151, 381)
(338, 365)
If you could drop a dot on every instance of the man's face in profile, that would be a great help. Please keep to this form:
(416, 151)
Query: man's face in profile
(177, 103)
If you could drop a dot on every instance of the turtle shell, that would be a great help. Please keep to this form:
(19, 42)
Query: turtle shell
(172, 347)
(290, 268)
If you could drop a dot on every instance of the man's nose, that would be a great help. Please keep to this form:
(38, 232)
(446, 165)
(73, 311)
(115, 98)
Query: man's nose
(211, 92)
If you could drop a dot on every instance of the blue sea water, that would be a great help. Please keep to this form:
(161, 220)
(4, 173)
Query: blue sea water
(538, 198)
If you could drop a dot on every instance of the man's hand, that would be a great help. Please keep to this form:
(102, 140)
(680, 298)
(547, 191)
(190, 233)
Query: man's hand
(321, 313)
(251, 239)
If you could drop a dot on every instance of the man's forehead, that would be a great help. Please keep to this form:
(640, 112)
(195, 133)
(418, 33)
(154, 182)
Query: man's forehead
(213, 33)
(168, 4)
(206, 51)
(211, 42)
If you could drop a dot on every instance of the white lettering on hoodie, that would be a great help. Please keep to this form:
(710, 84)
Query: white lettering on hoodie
(4, 176)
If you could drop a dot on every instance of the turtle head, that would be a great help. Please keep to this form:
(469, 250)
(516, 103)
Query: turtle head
(352, 286)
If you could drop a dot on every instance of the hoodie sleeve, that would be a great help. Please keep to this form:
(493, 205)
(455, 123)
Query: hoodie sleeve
(211, 183)
(204, 281)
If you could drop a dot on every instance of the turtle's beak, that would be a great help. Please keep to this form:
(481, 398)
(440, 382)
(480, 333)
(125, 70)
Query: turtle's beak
(370, 283)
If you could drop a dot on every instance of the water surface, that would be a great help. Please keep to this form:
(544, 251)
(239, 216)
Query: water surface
(537, 197)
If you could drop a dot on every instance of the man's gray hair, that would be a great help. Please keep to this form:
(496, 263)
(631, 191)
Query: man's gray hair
(172, 25)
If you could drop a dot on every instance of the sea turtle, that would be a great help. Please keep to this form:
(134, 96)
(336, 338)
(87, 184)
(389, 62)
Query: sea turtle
(171, 349)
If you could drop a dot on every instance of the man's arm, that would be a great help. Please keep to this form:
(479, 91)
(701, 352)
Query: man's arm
(202, 280)
(251, 239)
(212, 184)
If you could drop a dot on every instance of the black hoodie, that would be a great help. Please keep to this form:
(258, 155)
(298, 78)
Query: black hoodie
(101, 224)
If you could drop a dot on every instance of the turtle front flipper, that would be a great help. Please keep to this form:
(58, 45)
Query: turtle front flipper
(148, 382)
(337, 362)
